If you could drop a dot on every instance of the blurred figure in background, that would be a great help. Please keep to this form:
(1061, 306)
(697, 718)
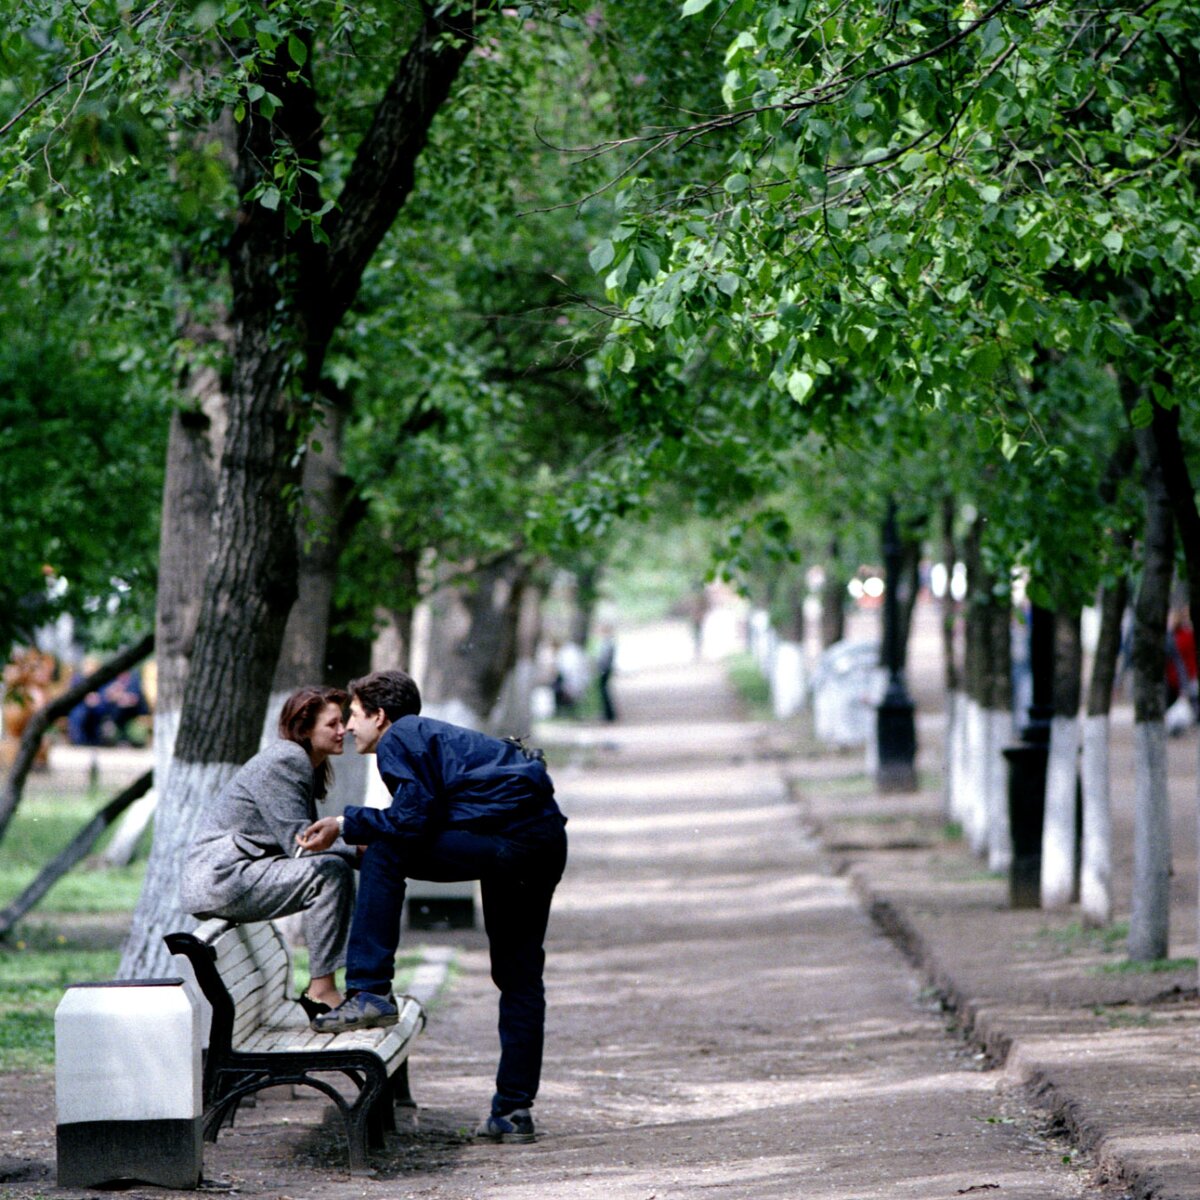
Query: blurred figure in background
(606, 657)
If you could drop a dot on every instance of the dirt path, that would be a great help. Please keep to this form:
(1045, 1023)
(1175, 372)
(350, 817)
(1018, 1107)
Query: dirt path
(724, 1019)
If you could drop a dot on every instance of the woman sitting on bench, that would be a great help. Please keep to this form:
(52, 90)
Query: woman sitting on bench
(244, 865)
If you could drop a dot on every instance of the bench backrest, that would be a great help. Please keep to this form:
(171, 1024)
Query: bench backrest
(256, 968)
(243, 971)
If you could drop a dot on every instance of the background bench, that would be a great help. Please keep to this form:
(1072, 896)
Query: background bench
(260, 1037)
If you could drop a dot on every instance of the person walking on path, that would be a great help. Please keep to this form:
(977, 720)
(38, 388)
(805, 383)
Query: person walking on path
(243, 864)
(606, 661)
(464, 806)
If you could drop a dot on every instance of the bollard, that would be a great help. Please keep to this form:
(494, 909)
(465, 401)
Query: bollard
(128, 1084)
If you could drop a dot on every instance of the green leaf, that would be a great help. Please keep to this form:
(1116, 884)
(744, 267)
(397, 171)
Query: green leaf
(270, 198)
(728, 283)
(736, 184)
(985, 362)
(691, 7)
(1113, 241)
(602, 254)
(297, 49)
(799, 385)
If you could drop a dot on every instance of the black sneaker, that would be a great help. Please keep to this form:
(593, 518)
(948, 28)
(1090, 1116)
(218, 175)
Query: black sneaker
(513, 1127)
(363, 1010)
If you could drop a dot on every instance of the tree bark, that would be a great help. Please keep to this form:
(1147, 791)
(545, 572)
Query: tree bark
(1062, 767)
(952, 675)
(999, 728)
(185, 542)
(833, 598)
(1178, 484)
(289, 293)
(1149, 919)
(1095, 876)
(472, 643)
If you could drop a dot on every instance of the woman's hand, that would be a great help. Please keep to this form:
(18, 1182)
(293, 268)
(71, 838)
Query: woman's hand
(320, 835)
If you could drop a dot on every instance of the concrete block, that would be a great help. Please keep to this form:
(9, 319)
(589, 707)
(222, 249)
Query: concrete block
(128, 1084)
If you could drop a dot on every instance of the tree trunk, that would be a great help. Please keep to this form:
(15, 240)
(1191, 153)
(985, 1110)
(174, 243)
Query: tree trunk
(1062, 767)
(302, 659)
(1095, 883)
(999, 730)
(248, 592)
(472, 643)
(1182, 495)
(956, 698)
(289, 293)
(513, 713)
(909, 590)
(833, 598)
(185, 541)
(583, 609)
(1149, 919)
(972, 802)
(1095, 877)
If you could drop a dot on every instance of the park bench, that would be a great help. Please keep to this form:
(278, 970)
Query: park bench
(260, 1038)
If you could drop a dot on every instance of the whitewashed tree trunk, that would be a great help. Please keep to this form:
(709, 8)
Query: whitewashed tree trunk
(1095, 880)
(999, 830)
(975, 815)
(959, 765)
(1058, 825)
(1149, 918)
(789, 679)
(512, 715)
(133, 823)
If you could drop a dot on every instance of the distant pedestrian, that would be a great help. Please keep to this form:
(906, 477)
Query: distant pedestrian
(606, 657)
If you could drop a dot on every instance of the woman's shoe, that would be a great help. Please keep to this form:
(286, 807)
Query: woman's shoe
(312, 1008)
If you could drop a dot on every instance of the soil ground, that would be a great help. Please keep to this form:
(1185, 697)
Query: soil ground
(726, 1017)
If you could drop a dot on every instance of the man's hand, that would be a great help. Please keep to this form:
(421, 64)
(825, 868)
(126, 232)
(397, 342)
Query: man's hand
(320, 835)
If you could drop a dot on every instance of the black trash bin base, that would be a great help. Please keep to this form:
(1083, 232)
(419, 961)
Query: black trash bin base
(165, 1153)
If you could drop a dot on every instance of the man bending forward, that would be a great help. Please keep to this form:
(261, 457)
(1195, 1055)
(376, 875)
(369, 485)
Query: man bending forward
(464, 806)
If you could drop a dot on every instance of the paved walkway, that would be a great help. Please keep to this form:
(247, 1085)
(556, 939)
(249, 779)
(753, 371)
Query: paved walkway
(725, 1016)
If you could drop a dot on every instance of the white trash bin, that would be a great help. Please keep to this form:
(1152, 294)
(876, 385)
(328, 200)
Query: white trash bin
(128, 1084)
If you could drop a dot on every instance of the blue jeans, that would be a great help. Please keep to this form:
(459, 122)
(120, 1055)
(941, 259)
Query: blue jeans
(517, 875)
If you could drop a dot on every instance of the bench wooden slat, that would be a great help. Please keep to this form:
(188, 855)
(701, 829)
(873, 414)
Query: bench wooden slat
(249, 981)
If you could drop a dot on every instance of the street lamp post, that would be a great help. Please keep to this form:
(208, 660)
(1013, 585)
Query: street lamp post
(895, 728)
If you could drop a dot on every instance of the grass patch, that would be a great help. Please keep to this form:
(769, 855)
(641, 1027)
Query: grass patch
(750, 683)
(1116, 1019)
(32, 982)
(1154, 967)
(42, 827)
(1076, 936)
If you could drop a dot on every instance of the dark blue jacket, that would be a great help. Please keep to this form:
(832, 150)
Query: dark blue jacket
(442, 776)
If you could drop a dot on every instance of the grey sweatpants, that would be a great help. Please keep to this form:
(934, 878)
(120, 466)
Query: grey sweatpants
(320, 886)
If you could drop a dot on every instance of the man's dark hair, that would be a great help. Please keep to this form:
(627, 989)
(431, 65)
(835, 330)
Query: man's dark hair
(394, 691)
